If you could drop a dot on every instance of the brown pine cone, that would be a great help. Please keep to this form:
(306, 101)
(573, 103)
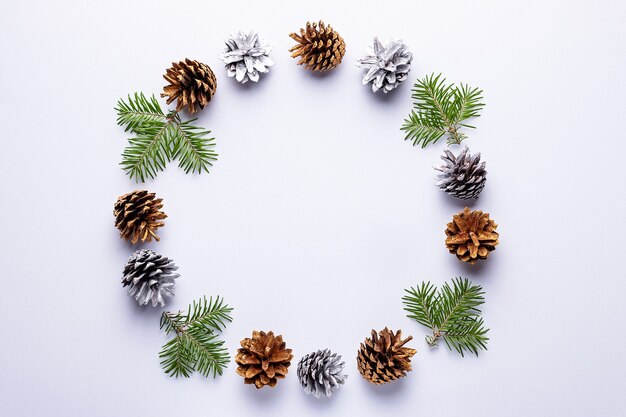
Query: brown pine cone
(471, 235)
(192, 83)
(383, 357)
(320, 48)
(263, 359)
(137, 216)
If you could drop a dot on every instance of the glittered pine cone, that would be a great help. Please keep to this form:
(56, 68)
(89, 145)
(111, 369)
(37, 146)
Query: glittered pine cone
(149, 276)
(320, 373)
(246, 56)
(386, 65)
(138, 215)
(383, 358)
(463, 176)
(319, 47)
(191, 83)
(471, 235)
(263, 359)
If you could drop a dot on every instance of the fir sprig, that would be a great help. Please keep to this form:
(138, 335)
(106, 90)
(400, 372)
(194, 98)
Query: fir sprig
(196, 345)
(441, 109)
(138, 111)
(160, 138)
(451, 313)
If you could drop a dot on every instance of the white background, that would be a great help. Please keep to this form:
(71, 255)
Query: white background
(317, 214)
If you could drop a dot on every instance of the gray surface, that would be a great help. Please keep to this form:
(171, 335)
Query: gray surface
(315, 193)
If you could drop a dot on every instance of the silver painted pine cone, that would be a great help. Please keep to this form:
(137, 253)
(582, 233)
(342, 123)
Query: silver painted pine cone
(246, 56)
(462, 176)
(320, 373)
(149, 277)
(387, 65)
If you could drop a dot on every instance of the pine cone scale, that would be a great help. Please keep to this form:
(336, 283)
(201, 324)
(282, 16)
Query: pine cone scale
(487, 236)
(252, 372)
(457, 239)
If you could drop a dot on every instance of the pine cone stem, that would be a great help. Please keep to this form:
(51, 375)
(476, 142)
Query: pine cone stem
(178, 328)
(432, 340)
(172, 116)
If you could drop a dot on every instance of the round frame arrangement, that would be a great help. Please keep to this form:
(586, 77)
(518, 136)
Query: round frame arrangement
(159, 136)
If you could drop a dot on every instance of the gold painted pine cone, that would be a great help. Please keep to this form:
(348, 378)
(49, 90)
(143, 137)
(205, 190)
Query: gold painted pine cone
(471, 235)
(138, 215)
(319, 47)
(263, 359)
(191, 83)
(382, 358)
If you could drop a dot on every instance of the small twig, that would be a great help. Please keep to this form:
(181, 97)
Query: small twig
(432, 340)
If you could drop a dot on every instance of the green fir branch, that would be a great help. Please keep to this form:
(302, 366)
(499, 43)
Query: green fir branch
(467, 104)
(192, 147)
(210, 355)
(419, 303)
(177, 359)
(440, 109)
(451, 313)
(457, 302)
(170, 321)
(469, 334)
(149, 151)
(196, 346)
(138, 111)
(211, 315)
(159, 138)
(420, 128)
